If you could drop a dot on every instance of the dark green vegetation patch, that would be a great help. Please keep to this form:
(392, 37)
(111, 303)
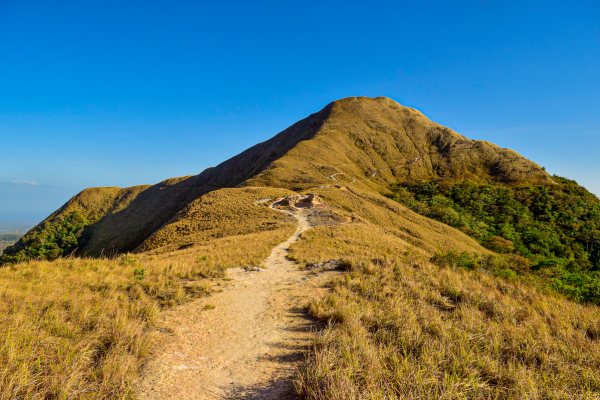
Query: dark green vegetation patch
(556, 229)
(58, 238)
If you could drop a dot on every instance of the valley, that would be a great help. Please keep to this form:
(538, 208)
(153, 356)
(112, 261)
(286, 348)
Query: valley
(8, 239)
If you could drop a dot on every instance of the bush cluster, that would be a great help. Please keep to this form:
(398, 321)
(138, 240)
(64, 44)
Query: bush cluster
(58, 238)
(556, 228)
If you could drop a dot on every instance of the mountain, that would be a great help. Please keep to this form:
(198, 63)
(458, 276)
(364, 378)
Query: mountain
(361, 144)
(439, 267)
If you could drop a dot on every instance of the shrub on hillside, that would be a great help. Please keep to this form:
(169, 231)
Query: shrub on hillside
(555, 228)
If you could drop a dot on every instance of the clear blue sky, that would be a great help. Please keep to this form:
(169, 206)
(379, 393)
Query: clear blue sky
(132, 92)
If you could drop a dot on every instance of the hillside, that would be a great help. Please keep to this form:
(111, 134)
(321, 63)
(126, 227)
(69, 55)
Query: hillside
(375, 142)
(366, 143)
(399, 329)
(431, 266)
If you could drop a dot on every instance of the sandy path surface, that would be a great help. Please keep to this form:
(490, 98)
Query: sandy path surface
(248, 345)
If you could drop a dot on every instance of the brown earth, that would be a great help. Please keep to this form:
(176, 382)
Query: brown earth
(243, 342)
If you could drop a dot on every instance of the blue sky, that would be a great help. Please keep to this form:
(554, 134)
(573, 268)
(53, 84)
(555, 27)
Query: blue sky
(125, 93)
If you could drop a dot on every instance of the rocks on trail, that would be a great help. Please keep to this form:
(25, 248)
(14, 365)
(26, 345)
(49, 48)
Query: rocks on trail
(300, 201)
(330, 265)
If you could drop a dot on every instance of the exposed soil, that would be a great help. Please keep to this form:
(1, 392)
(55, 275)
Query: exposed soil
(247, 346)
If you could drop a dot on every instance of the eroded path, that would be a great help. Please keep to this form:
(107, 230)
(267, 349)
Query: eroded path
(244, 348)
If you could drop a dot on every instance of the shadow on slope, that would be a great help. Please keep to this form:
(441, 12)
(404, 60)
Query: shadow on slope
(220, 213)
(368, 142)
(129, 216)
(374, 142)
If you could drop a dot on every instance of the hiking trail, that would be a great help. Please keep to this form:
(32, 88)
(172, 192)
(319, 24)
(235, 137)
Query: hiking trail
(248, 345)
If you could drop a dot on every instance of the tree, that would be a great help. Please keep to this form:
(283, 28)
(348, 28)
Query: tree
(501, 245)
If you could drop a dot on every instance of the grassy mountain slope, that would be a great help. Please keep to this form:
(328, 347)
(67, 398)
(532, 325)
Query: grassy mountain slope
(63, 231)
(129, 227)
(254, 160)
(228, 212)
(218, 214)
(367, 143)
(104, 220)
(375, 142)
(373, 212)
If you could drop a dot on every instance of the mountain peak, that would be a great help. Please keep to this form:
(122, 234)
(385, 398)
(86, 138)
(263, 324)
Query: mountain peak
(378, 142)
(361, 142)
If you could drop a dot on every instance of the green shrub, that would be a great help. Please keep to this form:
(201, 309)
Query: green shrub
(555, 229)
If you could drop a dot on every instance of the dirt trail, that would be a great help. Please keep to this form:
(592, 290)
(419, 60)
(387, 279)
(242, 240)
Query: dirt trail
(244, 348)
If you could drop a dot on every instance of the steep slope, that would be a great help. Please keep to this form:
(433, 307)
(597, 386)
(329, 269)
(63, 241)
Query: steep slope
(376, 141)
(126, 229)
(253, 161)
(367, 143)
(63, 231)
(236, 211)
(221, 213)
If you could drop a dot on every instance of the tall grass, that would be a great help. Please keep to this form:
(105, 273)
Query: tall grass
(80, 328)
(399, 327)
(75, 328)
(424, 332)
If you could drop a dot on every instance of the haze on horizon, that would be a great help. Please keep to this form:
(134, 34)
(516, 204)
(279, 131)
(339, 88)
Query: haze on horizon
(122, 94)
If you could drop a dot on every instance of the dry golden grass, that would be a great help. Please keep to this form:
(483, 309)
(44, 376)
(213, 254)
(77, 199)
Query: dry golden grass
(424, 332)
(222, 213)
(76, 328)
(377, 227)
(229, 252)
(347, 241)
(376, 142)
(400, 327)
(80, 328)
